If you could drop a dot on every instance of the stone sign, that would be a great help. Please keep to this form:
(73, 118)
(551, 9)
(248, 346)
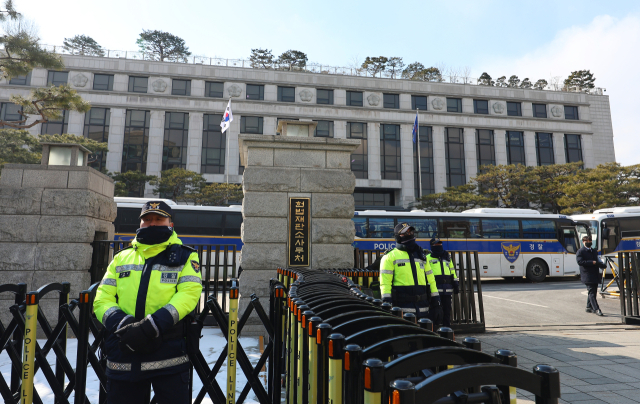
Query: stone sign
(299, 228)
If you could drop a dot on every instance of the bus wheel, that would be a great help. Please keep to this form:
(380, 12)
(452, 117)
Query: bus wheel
(536, 270)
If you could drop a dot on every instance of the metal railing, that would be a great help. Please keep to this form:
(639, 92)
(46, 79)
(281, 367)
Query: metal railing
(311, 67)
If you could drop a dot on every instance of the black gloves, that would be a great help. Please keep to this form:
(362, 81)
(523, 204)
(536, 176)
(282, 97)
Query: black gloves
(456, 286)
(436, 315)
(139, 337)
(601, 264)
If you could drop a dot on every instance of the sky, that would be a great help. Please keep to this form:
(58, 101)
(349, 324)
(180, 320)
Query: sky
(538, 40)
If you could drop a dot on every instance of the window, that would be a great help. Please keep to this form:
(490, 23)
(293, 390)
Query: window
(57, 78)
(500, 228)
(96, 127)
(539, 110)
(481, 107)
(485, 148)
(251, 124)
(391, 101)
(514, 109)
(425, 228)
(570, 112)
(544, 149)
(10, 112)
(573, 148)
(390, 152)
(460, 228)
(213, 145)
(373, 197)
(198, 223)
(324, 129)
(135, 144)
(181, 87)
(255, 92)
(381, 227)
(286, 94)
(324, 96)
(426, 179)
(56, 126)
(515, 148)
(176, 131)
(419, 102)
(360, 157)
(539, 229)
(360, 223)
(213, 89)
(21, 80)
(138, 84)
(454, 154)
(103, 82)
(454, 105)
(354, 98)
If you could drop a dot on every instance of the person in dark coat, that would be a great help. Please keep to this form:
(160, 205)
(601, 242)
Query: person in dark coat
(587, 258)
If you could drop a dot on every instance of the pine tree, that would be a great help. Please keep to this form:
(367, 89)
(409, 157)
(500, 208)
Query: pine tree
(526, 83)
(176, 182)
(485, 80)
(160, 45)
(395, 66)
(375, 65)
(131, 183)
(414, 71)
(261, 58)
(582, 80)
(83, 45)
(216, 194)
(500, 81)
(48, 103)
(540, 84)
(514, 82)
(293, 58)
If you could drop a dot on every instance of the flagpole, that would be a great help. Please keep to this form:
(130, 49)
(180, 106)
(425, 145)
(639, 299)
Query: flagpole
(226, 160)
(418, 145)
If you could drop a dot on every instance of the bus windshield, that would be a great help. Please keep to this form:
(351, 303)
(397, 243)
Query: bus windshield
(593, 229)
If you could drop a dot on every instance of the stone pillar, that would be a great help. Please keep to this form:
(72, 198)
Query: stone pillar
(194, 156)
(558, 148)
(154, 151)
(531, 158)
(407, 169)
(373, 147)
(439, 160)
(116, 139)
(49, 216)
(76, 123)
(281, 167)
(501, 147)
(470, 154)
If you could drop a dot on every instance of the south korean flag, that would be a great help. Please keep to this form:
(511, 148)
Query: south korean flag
(227, 118)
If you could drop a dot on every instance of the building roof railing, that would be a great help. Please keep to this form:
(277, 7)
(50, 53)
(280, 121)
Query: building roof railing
(309, 68)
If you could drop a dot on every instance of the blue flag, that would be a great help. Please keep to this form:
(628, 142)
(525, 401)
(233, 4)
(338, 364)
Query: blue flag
(415, 128)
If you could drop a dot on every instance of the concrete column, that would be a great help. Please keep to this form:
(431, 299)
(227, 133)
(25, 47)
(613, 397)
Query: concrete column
(439, 161)
(34, 130)
(470, 155)
(558, 148)
(270, 92)
(406, 158)
(269, 125)
(587, 151)
(340, 129)
(531, 158)
(584, 113)
(405, 101)
(527, 109)
(121, 82)
(233, 163)
(339, 97)
(373, 136)
(39, 77)
(194, 149)
(116, 139)
(156, 139)
(76, 123)
(467, 105)
(197, 88)
(501, 146)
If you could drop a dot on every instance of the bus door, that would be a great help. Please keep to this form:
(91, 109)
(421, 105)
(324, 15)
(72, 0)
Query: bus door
(610, 235)
(570, 240)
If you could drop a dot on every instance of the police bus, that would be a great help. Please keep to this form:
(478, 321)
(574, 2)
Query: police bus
(510, 242)
(194, 224)
(613, 229)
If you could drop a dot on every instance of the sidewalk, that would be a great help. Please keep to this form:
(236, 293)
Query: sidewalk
(598, 363)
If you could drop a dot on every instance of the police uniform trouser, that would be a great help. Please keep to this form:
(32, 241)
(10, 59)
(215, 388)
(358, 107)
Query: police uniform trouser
(168, 389)
(446, 310)
(592, 293)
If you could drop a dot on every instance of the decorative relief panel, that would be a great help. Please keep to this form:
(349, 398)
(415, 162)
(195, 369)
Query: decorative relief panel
(373, 100)
(305, 95)
(79, 80)
(437, 103)
(557, 111)
(159, 86)
(498, 107)
(234, 90)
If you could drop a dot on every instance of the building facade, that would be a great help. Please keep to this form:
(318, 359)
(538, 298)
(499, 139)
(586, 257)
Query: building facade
(159, 115)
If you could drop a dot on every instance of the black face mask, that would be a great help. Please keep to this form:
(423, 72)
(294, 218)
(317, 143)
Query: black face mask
(588, 244)
(437, 250)
(409, 245)
(154, 234)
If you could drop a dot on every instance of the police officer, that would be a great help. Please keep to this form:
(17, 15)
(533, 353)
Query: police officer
(405, 281)
(143, 302)
(446, 279)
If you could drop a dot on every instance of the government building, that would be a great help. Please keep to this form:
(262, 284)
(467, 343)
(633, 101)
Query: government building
(160, 115)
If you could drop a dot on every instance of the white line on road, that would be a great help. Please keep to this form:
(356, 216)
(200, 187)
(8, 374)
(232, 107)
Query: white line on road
(515, 301)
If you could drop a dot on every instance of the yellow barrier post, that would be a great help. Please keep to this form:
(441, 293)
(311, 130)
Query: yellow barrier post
(300, 353)
(28, 368)
(312, 370)
(509, 358)
(336, 346)
(373, 381)
(233, 343)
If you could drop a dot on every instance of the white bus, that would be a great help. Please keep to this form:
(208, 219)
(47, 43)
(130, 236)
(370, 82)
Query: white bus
(510, 242)
(613, 229)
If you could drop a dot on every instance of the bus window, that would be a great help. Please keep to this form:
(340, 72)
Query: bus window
(629, 227)
(232, 222)
(425, 228)
(500, 228)
(460, 228)
(610, 243)
(539, 229)
(360, 224)
(593, 231)
(198, 223)
(381, 227)
(570, 239)
(127, 220)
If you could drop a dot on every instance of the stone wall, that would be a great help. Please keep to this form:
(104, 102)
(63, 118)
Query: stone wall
(49, 215)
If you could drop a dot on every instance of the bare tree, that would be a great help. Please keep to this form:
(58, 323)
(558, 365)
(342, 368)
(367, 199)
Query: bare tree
(22, 25)
(555, 83)
(355, 64)
(453, 73)
(466, 75)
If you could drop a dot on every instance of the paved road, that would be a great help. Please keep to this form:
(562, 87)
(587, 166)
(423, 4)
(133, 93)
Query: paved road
(518, 303)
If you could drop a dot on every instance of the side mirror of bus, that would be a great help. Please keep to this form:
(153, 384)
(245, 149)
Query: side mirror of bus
(605, 233)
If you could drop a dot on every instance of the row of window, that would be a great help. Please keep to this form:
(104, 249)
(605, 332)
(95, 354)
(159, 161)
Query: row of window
(382, 227)
(139, 84)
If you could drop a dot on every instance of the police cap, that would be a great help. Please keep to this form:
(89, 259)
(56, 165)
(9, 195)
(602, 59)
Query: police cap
(434, 241)
(157, 207)
(402, 228)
